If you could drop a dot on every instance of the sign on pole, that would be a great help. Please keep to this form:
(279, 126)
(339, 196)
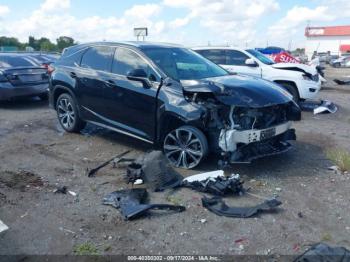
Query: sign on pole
(140, 32)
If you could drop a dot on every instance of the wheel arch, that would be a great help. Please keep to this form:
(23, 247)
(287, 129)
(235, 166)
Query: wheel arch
(291, 83)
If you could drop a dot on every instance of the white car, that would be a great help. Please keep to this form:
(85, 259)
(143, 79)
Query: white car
(302, 81)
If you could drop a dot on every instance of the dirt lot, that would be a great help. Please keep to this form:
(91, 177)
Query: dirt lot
(36, 156)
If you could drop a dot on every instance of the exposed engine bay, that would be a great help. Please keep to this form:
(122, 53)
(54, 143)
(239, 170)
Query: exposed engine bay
(240, 133)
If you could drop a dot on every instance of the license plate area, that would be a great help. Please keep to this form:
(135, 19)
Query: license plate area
(30, 78)
(268, 133)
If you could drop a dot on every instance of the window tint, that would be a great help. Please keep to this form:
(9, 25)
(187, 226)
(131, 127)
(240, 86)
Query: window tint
(98, 58)
(216, 56)
(236, 57)
(183, 64)
(126, 60)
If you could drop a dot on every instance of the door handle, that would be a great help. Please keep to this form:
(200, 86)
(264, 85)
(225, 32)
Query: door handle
(72, 74)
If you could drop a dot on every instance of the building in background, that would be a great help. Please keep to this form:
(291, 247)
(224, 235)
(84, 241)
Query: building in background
(333, 39)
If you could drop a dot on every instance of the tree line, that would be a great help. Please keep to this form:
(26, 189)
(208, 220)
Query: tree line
(41, 44)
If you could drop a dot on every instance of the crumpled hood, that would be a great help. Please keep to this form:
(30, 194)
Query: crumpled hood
(240, 90)
(296, 67)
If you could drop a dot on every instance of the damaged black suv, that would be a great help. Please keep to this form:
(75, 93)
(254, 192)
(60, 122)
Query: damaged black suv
(173, 98)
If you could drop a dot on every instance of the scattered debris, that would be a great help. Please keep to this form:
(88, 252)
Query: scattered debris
(62, 190)
(131, 203)
(93, 171)
(340, 157)
(3, 227)
(218, 185)
(155, 170)
(322, 252)
(342, 82)
(138, 182)
(219, 207)
(278, 189)
(203, 221)
(24, 215)
(72, 193)
(323, 106)
(67, 230)
(300, 215)
(204, 176)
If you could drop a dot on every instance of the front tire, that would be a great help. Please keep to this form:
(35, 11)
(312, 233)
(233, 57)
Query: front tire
(67, 114)
(185, 147)
(291, 89)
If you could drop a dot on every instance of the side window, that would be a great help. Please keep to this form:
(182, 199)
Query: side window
(98, 58)
(126, 60)
(236, 57)
(214, 55)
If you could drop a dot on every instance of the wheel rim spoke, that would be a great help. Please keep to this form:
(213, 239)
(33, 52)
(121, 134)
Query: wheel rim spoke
(183, 148)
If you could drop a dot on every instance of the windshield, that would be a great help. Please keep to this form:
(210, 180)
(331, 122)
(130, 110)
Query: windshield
(7, 61)
(261, 57)
(183, 64)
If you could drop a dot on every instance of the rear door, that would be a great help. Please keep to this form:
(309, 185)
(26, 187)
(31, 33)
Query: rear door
(131, 105)
(92, 77)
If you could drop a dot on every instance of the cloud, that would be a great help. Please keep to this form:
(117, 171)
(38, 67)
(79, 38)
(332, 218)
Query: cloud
(49, 21)
(292, 25)
(4, 10)
(55, 5)
(143, 11)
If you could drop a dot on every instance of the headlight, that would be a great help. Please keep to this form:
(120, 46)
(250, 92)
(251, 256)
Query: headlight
(306, 77)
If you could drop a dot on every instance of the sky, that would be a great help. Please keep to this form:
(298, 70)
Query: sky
(242, 23)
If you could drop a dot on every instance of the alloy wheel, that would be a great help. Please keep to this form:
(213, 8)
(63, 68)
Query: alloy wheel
(183, 148)
(66, 113)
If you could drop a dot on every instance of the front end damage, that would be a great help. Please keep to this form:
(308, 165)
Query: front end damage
(244, 122)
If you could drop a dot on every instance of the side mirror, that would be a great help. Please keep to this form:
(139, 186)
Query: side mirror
(139, 75)
(250, 62)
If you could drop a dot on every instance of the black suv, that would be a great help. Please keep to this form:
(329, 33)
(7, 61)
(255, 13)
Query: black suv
(173, 98)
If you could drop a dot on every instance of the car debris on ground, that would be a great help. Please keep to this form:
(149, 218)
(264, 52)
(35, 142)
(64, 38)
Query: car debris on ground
(93, 171)
(342, 82)
(318, 107)
(132, 203)
(323, 252)
(220, 185)
(3, 227)
(219, 207)
(154, 170)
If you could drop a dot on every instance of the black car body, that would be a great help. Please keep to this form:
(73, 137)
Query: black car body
(22, 75)
(174, 98)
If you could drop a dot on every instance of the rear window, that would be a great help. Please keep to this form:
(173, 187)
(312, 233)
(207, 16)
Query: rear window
(8, 61)
(98, 58)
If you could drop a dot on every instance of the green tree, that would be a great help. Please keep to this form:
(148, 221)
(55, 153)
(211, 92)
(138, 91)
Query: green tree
(64, 42)
(46, 45)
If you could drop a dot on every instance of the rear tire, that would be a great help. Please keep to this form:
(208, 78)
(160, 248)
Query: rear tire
(68, 114)
(185, 147)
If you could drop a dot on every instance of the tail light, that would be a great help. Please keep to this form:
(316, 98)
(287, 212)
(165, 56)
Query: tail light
(3, 78)
(50, 69)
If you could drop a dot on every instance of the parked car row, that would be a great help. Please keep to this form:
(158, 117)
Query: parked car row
(24, 74)
(343, 61)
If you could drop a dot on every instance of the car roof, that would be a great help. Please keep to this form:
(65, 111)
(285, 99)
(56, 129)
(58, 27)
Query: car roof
(136, 44)
(217, 47)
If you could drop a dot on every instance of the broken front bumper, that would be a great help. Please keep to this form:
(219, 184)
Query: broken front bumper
(247, 145)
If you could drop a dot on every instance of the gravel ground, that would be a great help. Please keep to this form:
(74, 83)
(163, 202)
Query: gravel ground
(36, 156)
